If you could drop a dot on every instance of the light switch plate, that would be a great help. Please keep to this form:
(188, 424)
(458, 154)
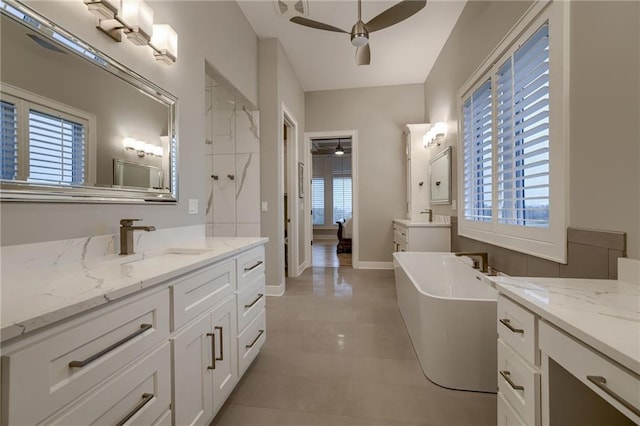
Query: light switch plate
(193, 206)
(265, 206)
(454, 205)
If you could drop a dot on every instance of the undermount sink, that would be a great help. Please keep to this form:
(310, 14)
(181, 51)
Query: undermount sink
(162, 253)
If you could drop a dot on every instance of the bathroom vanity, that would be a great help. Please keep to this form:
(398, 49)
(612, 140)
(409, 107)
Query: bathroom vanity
(161, 337)
(569, 350)
(410, 235)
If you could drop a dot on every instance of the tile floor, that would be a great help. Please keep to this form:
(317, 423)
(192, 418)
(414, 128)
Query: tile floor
(337, 353)
(324, 254)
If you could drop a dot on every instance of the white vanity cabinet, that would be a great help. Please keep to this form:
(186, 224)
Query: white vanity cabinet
(421, 236)
(518, 365)
(169, 354)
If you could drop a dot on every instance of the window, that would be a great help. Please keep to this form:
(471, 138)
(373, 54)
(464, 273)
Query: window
(43, 141)
(513, 137)
(341, 198)
(317, 200)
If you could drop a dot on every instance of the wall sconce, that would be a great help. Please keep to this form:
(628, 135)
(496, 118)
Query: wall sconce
(135, 19)
(142, 148)
(435, 135)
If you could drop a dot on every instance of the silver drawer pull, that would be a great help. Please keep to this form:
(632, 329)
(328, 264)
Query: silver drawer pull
(254, 302)
(260, 332)
(507, 323)
(601, 382)
(254, 266)
(80, 364)
(507, 376)
(146, 397)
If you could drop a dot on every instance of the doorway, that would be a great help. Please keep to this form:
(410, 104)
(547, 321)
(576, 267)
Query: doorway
(333, 213)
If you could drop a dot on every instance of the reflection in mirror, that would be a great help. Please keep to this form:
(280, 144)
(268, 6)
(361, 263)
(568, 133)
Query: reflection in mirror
(135, 175)
(69, 115)
(440, 178)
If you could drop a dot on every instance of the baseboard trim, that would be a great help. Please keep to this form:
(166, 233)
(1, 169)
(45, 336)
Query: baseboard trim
(375, 265)
(325, 237)
(274, 290)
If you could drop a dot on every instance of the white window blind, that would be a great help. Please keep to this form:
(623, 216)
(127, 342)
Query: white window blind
(477, 146)
(56, 149)
(522, 98)
(8, 141)
(317, 200)
(341, 198)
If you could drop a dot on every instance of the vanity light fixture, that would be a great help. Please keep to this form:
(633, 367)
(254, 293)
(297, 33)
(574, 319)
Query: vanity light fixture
(164, 43)
(142, 148)
(134, 18)
(339, 150)
(435, 135)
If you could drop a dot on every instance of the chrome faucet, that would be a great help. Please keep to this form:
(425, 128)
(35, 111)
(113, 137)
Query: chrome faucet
(482, 265)
(429, 212)
(126, 234)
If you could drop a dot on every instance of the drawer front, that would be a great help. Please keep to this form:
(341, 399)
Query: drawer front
(44, 376)
(251, 301)
(519, 329)
(139, 395)
(506, 415)
(164, 420)
(250, 266)
(200, 291)
(250, 341)
(616, 385)
(399, 233)
(519, 384)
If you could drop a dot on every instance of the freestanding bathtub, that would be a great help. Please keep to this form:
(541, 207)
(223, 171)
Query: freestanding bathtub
(450, 312)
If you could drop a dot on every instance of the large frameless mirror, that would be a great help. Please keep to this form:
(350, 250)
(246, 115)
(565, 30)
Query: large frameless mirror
(440, 178)
(74, 121)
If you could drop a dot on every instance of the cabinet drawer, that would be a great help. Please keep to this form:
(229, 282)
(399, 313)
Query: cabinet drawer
(250, 341)
(519, 329)
(399, 234)
(506, 415)
(250, 265)
(139, 395)
(250, 302)
(42, 376)
(197, 292)
(615, 384)
(522, 393)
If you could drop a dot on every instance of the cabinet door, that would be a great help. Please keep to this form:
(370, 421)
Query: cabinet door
(192, 380)
(225, 373)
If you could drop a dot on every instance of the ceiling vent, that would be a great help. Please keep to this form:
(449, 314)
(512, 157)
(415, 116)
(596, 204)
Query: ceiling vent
(291, 8)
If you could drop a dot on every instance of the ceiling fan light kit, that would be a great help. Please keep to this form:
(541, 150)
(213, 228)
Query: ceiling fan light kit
(361, 30)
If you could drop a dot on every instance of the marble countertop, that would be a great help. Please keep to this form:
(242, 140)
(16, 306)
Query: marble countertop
(418, 224)
(604, 314)
(35, 297)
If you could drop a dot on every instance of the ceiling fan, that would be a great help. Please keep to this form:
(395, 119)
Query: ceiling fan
(360, 30)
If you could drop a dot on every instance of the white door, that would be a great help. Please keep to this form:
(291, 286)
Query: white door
(193, 381)
(225, 373)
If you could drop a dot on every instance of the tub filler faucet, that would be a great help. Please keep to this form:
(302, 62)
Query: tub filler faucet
(480, 260)
(126, 234)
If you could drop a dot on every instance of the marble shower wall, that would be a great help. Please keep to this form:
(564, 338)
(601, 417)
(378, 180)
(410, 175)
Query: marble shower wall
(233, 151)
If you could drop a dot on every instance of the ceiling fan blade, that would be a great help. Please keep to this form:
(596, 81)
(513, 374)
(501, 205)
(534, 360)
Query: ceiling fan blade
(363, 55)
(395, 14)
(315, 24)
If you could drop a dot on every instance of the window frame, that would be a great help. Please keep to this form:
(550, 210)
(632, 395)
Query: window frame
(548, 243)
(26, 101)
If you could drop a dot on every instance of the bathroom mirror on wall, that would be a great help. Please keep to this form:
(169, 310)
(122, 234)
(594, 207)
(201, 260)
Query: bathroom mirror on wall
(440, 178)
(74, 121)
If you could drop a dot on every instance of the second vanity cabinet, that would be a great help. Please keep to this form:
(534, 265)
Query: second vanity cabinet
(170, 354)
(421, 236)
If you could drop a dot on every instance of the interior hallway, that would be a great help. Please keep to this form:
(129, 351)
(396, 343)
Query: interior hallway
(338, 353)
(324, 254)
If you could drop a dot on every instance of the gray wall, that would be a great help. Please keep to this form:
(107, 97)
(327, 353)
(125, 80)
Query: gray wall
(215, 31)
(604, 73)
(379, 114)
(278, 85)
